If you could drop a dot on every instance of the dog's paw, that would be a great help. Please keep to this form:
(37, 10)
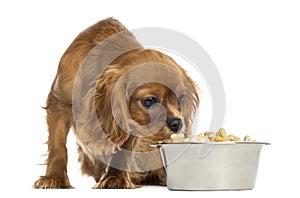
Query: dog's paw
(48, 182)
(115, 182)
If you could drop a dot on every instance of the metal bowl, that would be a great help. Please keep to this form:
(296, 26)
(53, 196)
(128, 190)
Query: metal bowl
(211, 165)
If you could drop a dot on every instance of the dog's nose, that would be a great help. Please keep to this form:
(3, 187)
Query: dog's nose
(174, 124)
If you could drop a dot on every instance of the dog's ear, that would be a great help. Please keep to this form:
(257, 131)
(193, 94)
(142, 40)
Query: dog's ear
(190, 104)
(111, 103)
(94, 118)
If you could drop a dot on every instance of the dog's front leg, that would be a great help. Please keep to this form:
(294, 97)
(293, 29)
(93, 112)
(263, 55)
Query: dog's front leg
(58, 120)
(115, 175)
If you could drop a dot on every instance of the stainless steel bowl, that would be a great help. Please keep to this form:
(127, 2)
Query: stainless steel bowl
(211, 165)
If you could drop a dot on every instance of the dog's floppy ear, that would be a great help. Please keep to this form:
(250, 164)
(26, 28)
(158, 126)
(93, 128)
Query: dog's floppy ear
(95, 122)
(111, 103)
(190, 104)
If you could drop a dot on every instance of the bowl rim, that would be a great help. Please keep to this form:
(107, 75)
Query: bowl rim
(214, 143)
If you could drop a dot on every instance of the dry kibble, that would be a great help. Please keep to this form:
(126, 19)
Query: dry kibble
(180, 135)
(222, 132)
(193, 138)
(177, 139)
(210, 135)
(233, 138)
(202, 138)
(213, 139)
(219, 139)
(226, 139)
(247, 138)
(220, 136)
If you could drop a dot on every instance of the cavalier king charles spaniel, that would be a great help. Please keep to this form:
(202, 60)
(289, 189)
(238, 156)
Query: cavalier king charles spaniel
(118, 97)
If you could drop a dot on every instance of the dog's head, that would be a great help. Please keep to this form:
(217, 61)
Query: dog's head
(145, 94)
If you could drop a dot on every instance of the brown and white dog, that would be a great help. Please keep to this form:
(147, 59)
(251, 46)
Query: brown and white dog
(117, 108)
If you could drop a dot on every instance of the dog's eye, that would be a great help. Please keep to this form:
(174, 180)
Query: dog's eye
(181, 98)
(148, 102)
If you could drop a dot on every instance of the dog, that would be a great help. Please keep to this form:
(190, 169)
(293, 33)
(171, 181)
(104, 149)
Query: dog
(118, 97)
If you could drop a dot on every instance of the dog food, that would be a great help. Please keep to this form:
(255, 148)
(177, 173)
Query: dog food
(220, 136)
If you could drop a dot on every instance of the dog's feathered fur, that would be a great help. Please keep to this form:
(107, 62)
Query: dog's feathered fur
(102, 138)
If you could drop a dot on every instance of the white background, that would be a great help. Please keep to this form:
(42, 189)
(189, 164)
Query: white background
(254, 44)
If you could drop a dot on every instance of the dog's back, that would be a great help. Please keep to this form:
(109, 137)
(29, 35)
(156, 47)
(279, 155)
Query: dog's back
(77, 52)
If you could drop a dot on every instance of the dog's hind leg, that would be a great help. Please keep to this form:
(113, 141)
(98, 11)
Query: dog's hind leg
(58, 120)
